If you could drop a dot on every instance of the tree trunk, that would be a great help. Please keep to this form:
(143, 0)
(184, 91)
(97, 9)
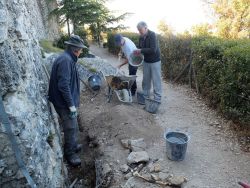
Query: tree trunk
(98, 34)
(67, 20)
(74, 26)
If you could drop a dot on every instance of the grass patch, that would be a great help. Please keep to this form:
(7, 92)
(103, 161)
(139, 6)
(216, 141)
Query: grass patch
(48, 47)
(92, 69)
(50, 139)
(87, 66)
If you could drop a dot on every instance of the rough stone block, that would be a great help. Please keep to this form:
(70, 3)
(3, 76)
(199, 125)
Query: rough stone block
(3, 165)
(3, 33)
(137, 145)
(125, 143)
(10, 171)
(124, 168)
(177, 180)
(3, 16)
(163, 176)
(136, 157)
(20, 29)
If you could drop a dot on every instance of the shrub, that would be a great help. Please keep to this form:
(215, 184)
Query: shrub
(175, 54)
(234, 88)
(48, 47)
(222, 70)
(60, 41)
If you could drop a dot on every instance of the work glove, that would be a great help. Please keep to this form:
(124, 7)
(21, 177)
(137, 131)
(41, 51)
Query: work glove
(73, 112)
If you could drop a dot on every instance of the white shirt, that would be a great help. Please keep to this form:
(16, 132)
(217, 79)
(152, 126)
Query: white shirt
(128, 47)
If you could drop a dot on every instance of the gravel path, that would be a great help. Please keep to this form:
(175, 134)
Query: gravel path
(213, 157)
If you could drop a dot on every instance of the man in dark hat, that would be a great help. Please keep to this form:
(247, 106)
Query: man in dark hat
(64, 93)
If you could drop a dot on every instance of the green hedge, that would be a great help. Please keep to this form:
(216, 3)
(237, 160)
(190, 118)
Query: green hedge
(175, 54)
(223, 72)
(222, 68)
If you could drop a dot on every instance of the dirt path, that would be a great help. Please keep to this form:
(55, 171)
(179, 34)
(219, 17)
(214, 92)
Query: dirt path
(213, 159)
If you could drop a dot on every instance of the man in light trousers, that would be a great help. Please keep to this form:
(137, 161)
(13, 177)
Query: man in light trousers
(149, 47)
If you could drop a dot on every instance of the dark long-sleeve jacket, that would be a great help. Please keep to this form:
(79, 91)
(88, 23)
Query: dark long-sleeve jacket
(150, 47)
(64, 87)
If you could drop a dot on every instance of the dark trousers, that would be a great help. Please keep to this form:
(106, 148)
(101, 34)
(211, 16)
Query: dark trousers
(132, 71)
(70, 129)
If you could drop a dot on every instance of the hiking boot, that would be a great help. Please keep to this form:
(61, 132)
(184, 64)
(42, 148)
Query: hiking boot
(73, 160)
(78, 148)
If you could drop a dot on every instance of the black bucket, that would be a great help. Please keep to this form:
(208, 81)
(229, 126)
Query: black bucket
(151, 105)
(176, 145)
(95, 82)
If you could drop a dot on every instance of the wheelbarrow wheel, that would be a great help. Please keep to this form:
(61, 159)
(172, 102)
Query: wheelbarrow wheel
(125, 95)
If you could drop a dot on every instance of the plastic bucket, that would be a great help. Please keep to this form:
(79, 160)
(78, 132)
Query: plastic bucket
(151, 105)
(176, 145)
(136, 60)
(140, 98)
(95, 82)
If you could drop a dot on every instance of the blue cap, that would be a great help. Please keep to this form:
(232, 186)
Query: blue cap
(118, 39)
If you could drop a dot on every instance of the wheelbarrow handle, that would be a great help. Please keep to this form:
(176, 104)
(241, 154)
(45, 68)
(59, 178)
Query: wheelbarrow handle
(118, 71)
(103, 76)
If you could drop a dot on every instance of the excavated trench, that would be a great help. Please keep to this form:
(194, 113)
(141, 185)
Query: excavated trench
(85, 175)
(93, 172)
(102, 126)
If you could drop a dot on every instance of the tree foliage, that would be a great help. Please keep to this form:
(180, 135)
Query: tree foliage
(102, 20)
(164, 28)
(233, 18)
(91, 12)
(202, 30)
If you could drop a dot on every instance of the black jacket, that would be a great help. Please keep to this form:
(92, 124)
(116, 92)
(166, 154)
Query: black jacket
(150, 47)
(64, 86)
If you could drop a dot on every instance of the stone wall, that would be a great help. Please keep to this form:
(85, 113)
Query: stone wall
(23, 86)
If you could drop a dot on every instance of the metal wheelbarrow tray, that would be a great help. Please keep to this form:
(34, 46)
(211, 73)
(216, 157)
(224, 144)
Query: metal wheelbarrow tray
(121, 85)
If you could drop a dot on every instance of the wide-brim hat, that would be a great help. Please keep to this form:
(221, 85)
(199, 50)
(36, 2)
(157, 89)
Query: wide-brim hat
(76, 41)
(118, 39)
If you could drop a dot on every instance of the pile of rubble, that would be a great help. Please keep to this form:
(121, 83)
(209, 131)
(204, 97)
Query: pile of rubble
(140, 166)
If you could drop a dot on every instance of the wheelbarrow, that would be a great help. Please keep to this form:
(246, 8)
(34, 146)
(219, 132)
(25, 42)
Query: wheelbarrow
(121, 86)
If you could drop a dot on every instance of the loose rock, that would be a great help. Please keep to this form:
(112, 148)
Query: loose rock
(157, 168)
(137, 145)
(125, 143)
(128, 175)
(150, 167)
(135, 157)
(163, 176)
(177, 180)
(124, 168)
(130, 183)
